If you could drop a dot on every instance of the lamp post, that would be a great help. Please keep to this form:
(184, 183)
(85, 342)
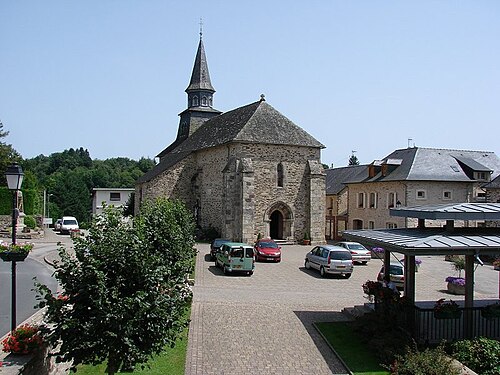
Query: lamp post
(14, 176)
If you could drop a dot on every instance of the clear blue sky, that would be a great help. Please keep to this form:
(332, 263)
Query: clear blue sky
(110, 76)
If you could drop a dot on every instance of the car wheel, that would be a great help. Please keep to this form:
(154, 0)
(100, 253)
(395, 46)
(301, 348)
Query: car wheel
(364, 263)
(226, 272)
(307, 265)
(347, 275)
(322, 271)
(216, 264)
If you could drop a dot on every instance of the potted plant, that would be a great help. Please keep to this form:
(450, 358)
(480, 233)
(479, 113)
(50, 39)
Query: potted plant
(496, 264)
(24, 339)
(456, 285)
(446, 309)
(491, 311)
(377, 252)
(17, 252)
(373, 289)
(306, 240)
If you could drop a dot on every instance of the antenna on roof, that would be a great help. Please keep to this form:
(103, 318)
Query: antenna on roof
(201, 28)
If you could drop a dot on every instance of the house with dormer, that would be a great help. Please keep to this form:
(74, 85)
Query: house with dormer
(245, 172)
(408, 177)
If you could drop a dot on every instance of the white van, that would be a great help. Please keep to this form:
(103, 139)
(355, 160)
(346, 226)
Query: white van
(68, 224)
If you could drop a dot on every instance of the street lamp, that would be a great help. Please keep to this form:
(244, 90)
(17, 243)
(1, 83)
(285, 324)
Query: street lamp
(14, 176)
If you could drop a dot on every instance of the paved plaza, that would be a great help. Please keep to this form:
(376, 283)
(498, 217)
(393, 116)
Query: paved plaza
(263, 324)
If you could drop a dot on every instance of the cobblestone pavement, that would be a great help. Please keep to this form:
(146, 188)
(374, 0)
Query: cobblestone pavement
(263, 324)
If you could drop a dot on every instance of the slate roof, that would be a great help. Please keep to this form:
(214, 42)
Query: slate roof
(253, 123)
(493, 184)
(335, 177)
(430, 164)
(451, 211)
(200, 78)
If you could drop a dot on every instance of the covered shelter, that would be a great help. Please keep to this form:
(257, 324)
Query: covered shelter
(471, 242)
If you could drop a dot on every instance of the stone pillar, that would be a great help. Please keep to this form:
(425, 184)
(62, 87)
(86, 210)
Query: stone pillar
(317, 202)
(247, 200)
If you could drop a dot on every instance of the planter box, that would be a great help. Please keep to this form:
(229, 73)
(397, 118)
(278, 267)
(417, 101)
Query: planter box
(456, 289)
(8, 256)
(448, 314)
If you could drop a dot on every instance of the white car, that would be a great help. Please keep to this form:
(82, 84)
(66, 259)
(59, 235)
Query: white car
(68, 224)
(360, 254)
(57, 225)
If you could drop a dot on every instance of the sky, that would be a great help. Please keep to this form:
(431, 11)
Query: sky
(367, 77)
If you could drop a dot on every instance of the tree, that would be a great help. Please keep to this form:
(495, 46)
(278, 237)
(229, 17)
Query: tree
(353, 160)
(125, 290)
(7, 155)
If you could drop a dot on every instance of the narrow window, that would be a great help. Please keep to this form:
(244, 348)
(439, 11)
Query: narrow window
(114, 197)
(391, 200)
(371, 225)
(204, 101)
(373, 200)
(361, 200)
(195, 101)
(279, 171)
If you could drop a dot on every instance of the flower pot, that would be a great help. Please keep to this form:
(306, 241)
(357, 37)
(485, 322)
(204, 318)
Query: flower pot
(456, 289)
(9, 256)
(306, 242)
(448, 314)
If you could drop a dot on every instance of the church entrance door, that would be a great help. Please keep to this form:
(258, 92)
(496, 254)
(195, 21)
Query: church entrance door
(276, 225)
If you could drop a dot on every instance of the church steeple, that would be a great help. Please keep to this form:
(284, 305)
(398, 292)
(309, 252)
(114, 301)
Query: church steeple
(200, 90)
(200, 97)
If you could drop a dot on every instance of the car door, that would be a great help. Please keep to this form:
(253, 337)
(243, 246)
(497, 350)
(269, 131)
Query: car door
(315, 257)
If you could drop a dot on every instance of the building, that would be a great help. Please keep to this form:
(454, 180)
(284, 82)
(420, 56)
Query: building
(247, 171)
(109, 197)
(407, 177)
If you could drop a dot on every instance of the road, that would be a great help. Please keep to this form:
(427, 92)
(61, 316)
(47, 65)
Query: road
(33, 266)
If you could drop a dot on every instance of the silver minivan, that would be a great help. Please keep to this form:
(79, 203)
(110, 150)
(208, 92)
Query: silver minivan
(330, 260)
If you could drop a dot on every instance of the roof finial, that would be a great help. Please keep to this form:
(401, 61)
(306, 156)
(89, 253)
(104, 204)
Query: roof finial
(201, 28)
(262, 98)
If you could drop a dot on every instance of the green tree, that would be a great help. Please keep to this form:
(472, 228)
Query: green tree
(7, 155)
(353, 160)
(125, 290)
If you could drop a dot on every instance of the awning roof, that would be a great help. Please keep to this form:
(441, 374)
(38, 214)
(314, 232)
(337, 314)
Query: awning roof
(431, 241)
(452, 211)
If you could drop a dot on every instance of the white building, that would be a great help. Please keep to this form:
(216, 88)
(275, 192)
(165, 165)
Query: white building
(116, 197)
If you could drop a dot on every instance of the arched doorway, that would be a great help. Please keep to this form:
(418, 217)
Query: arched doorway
(276, 225)
(279, 220)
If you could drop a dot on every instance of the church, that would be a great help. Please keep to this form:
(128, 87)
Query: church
(246, 172)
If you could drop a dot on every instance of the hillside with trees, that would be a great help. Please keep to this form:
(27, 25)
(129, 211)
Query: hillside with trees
(68, 178)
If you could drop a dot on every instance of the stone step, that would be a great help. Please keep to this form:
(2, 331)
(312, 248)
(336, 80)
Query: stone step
(356, 311)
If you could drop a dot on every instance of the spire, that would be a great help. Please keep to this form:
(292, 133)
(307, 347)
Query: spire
(200, 78)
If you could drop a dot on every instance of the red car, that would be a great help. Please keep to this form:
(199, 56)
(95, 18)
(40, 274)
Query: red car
(267, 250)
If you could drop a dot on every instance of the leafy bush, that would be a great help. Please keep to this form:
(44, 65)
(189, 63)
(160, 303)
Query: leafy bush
(30, 221)
(427, 362)
(481, 355)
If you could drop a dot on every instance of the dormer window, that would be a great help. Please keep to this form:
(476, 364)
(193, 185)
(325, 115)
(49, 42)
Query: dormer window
(481, 176)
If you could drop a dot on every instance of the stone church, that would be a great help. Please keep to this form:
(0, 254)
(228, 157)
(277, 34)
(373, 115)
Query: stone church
(247, 171)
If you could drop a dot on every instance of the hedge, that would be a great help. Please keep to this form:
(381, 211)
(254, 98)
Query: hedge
(30, 199)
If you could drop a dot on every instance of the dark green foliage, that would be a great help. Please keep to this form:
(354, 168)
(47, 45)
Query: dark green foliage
(30, 222)
(353, 160)
(426, 362)
(125, 292)
(481, 355)
(128, 208)
(7, 155)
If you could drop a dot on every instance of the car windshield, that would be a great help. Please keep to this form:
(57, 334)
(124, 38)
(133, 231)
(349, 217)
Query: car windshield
(272, 245)
(70, 222)
(340, 255)
(355, 246)
(396, 270)
(219, 242)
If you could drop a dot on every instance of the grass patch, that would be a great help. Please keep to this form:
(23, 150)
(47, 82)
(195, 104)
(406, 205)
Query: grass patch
(349, 346)
(171, 361)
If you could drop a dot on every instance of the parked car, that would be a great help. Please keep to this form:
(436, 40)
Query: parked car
(68, 224)
(330, 260)
(360, 254)
(235, 257)
(267, 249)
(216, 245)
(57, 225)
(397, 272)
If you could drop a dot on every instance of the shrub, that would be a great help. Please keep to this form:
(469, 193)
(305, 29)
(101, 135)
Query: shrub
(23, 340)
(480, 355)
(30, 221)
(428, 362)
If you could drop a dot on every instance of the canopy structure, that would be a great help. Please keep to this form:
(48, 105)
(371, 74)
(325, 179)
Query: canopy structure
(449, 240)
